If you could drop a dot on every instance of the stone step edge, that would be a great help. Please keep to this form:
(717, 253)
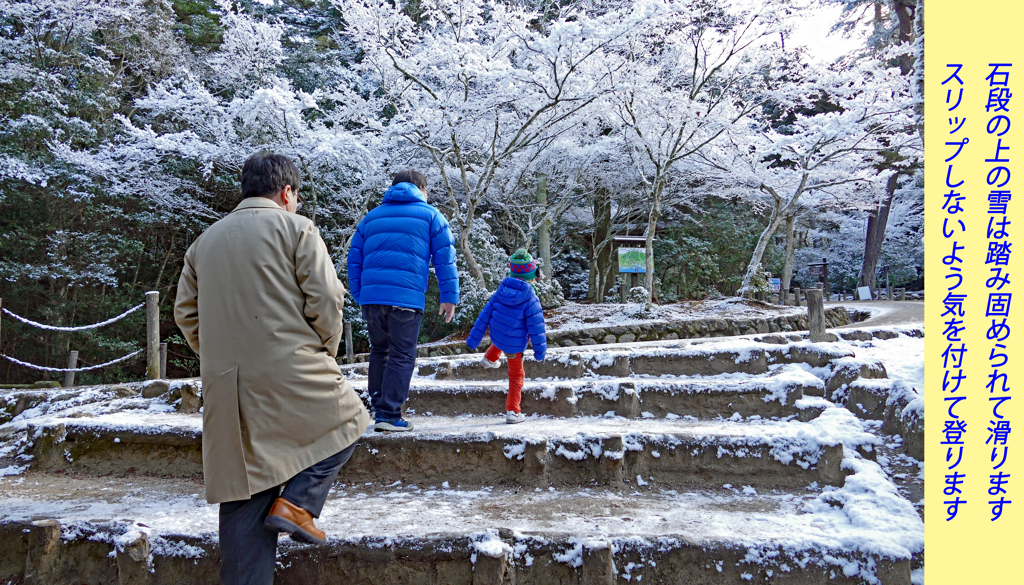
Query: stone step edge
(663, 330)
(122, 552)
(633, 398)
(482, 458)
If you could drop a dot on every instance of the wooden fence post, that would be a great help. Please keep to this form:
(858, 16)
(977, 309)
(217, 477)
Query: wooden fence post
(796, 296)
(69, 377)
(163, 361)
(816, 314)
(350, 354)
(152, 335)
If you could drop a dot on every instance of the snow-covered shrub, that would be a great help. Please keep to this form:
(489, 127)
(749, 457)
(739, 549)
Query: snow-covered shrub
(549, 291)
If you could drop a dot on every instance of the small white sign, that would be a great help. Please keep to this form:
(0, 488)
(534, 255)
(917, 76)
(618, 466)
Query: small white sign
(864, 293)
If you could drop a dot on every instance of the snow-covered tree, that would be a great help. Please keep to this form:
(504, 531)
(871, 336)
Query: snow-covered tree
(480, 89)
(818, 158)
(687, 81)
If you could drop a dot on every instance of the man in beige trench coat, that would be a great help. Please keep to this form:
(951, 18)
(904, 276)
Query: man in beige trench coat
(260, 302)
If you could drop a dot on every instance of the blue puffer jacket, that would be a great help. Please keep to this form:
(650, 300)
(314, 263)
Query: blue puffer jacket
(513, 313)
(389, 260)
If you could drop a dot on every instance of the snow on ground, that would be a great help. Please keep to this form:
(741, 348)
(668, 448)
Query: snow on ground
(903, 358)
(866, 515)
(779, 382)
(573, 316)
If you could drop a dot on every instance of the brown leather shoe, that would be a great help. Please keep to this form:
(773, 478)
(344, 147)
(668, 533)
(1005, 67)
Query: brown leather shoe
(298, 523)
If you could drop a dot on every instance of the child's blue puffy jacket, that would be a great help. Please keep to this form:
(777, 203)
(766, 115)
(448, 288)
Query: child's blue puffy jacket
(513, 314)
(393, 247)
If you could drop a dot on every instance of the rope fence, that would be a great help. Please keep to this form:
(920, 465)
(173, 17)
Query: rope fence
(79, 328)
(156, 352)
(85, 369)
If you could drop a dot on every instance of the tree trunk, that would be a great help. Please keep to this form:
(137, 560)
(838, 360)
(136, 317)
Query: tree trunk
(876, 234)
(787, 269)
(762, 245)
(544, 231)
(465, 226)
(652, 226)
(601, 248)
(906, 13)
(919, 68)
(905, 16)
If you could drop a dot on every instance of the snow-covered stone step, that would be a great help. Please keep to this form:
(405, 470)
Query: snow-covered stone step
(767, 396)
(147, 531)
(686, 358)
(479, 450)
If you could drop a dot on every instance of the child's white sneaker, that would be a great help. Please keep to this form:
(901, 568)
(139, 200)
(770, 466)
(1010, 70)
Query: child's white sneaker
(514, 417)
(488, 363)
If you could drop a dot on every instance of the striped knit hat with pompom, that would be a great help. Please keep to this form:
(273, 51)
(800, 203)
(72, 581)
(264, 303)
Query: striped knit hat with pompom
(522, 266)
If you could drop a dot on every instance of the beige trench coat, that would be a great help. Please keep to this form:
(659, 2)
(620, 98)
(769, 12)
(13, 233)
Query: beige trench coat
(260, 302)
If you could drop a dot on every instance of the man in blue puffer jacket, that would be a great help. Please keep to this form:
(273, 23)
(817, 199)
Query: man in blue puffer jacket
(388, 267)
(513, 314)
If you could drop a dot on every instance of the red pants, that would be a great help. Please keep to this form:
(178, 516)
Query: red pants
(515, 376)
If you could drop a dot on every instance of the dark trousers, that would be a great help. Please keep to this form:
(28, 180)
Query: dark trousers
(393, 336)
(248, 551)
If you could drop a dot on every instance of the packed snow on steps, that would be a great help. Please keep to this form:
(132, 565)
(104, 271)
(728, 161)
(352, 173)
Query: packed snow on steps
(866, 515)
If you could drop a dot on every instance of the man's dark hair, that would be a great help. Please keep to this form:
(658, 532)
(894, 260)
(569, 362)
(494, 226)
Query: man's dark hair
(411, 176)
(265, 174)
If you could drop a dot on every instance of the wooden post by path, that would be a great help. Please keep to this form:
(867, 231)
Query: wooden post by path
(816, 315)
(69, 377)
(350, 354)
(163, 361)
(152, 335)
(796, 296)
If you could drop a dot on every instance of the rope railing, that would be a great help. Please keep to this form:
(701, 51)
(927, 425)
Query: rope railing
(156, 352)
(79, 328)
(85, 369)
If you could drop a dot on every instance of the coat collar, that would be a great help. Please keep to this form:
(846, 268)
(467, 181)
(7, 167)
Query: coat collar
(256, 202)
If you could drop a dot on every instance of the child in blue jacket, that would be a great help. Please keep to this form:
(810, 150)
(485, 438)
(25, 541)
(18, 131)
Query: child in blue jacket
(513, 314)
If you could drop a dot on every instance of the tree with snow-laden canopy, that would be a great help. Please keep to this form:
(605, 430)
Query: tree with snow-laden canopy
(554, 127)
(824, 154)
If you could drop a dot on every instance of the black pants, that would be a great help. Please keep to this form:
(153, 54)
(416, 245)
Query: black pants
(248, 551)
(393, 334)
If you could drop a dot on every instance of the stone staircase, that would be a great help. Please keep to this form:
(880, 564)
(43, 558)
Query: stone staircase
(696, 461)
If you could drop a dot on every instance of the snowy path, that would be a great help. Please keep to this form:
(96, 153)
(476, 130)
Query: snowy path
(884, 313)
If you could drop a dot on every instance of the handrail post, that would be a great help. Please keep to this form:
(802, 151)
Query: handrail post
(152, 335)
(163, 361)
(69, 377)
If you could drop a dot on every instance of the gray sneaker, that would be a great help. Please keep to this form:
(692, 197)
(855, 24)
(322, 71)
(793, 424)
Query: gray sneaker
(489, 364)
(397, 426)
(514, 417)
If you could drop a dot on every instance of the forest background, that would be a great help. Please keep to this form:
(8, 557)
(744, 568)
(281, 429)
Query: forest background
(553, 126)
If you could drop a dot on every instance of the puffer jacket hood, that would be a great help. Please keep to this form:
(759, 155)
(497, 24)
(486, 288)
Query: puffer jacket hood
(514, 315)
(404, 193)
(392, 250)
(514, 291)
